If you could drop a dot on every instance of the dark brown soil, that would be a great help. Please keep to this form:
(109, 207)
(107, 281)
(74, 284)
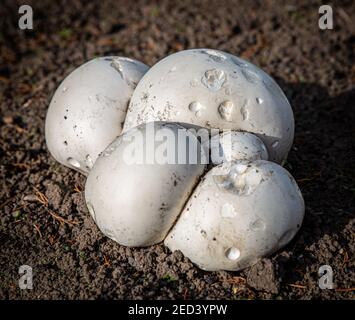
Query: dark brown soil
(43, 219)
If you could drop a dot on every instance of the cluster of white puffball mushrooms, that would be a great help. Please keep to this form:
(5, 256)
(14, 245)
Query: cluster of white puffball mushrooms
(224, 213)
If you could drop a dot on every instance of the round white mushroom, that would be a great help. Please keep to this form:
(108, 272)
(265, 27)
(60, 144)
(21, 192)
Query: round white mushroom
(214, 89)
(241, 211)
(235, 145)
(140, 183)
(88, 109)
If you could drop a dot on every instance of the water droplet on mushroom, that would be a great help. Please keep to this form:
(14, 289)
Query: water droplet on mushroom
(173, 69)
(228, 91)
(73, 162)
(250, 76)
(214, 79)
(196, 107)
(89, 161)
(239, 185)
(257, 225)
(225, 110)
(117, 66)
(275, 144)
(232, 253)
(198, 114)
(65, 89)
(259, 100)
(244, 112)
(228, 211)
(193, 83)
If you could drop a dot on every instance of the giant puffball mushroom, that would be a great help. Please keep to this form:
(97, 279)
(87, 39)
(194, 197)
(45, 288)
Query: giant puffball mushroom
(140, 183)
(214, 89)
(241, 211)
(234, 145)
(88, 109)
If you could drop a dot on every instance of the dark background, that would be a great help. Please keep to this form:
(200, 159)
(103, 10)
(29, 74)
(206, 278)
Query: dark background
(43, 219)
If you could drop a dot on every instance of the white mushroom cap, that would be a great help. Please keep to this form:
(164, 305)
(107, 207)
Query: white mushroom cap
(88, 109)
(136, 202)
(235, 145)
(211, 88)
(240, 212)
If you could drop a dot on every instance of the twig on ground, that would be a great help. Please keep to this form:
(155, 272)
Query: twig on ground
(38, 230)
(77, 189)
(298, 286)
(345, 289)
(44, 201)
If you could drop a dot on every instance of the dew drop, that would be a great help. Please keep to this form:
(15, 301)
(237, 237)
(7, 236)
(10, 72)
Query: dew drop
(173, 69)
(195, 106)
(117, 66)
(198, 114)
(73, 162)
(214, 79)
(228, 211)
(275, 144)
(259, 100)
(239, 185)
(89, 161)
(232, 253)
(193, 83)
(65, 89)
(244, 112)
(225, 110)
